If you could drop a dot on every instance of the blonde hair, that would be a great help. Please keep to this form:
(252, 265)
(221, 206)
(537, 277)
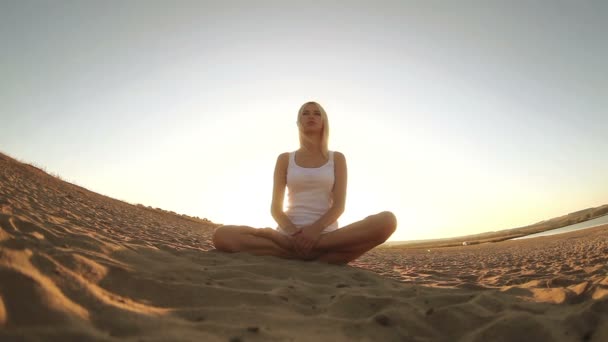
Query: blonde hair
(324, 133)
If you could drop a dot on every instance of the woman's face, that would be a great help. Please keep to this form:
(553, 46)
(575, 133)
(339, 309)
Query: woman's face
(310, 119)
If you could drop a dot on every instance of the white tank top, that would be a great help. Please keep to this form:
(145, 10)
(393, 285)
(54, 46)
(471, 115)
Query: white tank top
(310, 192)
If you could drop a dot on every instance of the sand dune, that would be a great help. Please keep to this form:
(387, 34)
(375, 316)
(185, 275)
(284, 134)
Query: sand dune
(573, 266)
(75, 265)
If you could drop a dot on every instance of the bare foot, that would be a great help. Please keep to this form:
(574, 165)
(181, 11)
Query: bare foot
(282, 240)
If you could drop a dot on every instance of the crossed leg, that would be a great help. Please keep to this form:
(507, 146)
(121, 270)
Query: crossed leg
(338, 247)
(350, 242)
(263, 241)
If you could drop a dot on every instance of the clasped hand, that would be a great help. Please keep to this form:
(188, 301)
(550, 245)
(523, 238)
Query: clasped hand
(304, 240)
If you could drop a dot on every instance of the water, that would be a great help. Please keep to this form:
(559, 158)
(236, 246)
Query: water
(578, 226)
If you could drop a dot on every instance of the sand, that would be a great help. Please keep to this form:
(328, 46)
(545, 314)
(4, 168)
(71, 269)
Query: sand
(76, 265)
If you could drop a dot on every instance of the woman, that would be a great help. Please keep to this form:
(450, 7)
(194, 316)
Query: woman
(316, 181)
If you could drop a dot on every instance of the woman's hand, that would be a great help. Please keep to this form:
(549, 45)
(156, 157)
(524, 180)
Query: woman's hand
(305, 240)
(291, 229)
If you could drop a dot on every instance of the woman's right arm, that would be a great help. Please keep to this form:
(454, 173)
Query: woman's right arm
(278, 194)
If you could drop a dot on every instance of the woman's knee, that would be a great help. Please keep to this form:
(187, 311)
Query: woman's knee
(223, 239)
(387, 224)
(390, 219)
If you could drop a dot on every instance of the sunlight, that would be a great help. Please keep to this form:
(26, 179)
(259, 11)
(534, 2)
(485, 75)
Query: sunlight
(451, 143)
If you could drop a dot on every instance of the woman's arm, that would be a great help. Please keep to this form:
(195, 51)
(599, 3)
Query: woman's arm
(339, 195)
(278, 194)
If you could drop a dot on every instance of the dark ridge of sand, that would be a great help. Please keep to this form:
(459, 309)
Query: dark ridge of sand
(75, 265)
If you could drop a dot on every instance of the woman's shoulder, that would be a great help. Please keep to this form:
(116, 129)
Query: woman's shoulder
(283, 157)
(338, 155)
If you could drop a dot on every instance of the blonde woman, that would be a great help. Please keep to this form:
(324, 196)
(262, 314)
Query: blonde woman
(316, 181)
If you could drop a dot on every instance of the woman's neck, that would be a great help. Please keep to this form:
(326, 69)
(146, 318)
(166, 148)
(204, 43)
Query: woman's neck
(310, 144)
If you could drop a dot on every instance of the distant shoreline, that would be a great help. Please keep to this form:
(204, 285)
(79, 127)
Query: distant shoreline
(507, 234)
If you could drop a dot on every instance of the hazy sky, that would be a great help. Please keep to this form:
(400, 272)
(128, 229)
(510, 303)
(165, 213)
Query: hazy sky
(459, 116)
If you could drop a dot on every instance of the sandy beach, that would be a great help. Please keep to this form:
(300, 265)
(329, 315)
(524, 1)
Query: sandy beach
(76, 265)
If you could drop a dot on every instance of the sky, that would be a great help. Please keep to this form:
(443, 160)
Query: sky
(460, 117)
